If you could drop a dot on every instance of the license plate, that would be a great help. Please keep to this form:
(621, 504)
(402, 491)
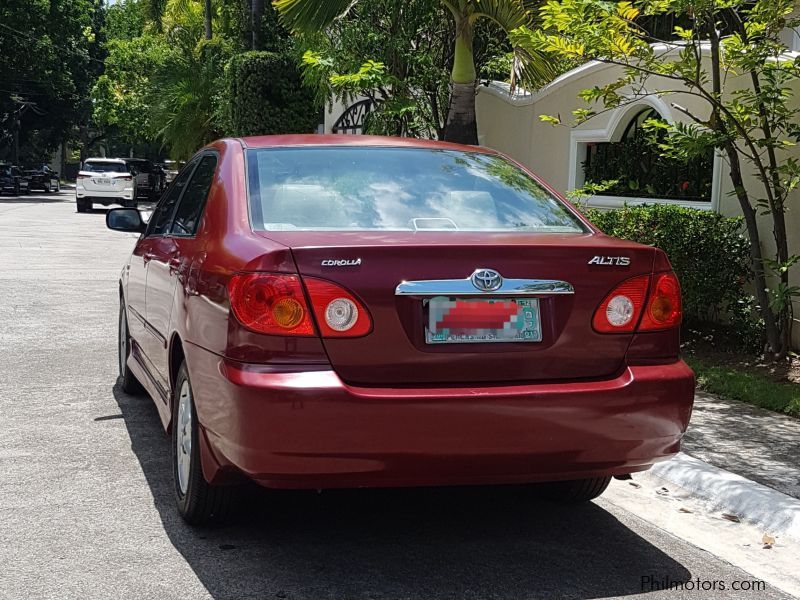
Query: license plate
(482, 320)
(103, 181)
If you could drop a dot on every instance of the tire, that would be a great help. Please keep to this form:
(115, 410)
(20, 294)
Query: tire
(48, 188)
(58, 186)
(81, 205)
(577, 490)
(16, 189)
(198, 502)
(128, 381)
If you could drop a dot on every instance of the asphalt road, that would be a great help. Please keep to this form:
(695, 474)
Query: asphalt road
(86, 508)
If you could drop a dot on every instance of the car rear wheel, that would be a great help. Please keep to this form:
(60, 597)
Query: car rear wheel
(198, 501)
(577, 490)
(83, 205)
(130, 385)
(16, 189)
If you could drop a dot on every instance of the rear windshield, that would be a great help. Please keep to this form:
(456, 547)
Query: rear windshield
(105, 167)
(352, 189)
(143, 167)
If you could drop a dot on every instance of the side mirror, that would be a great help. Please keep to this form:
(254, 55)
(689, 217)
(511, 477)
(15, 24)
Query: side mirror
(125, 219)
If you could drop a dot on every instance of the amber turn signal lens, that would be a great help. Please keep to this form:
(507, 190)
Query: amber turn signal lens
(288, 313)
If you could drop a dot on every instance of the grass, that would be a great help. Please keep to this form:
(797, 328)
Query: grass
(731, 381)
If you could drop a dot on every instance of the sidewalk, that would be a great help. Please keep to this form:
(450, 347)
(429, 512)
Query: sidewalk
(757, 444)
(741, 461)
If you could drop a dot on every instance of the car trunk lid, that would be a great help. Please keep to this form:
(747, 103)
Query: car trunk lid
(396, 353)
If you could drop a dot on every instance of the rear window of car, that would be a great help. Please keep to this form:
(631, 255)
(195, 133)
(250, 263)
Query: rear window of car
(105, 167)
(369, 188)
(143, 167)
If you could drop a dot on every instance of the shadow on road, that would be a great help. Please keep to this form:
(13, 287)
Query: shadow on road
(475, 543)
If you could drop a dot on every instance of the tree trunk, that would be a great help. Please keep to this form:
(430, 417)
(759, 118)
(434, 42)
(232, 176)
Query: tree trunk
(256, 12)
(207, 19)
(462, 126)
(756, 258)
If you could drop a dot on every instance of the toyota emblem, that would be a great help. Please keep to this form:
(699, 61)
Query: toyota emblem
(486, 280)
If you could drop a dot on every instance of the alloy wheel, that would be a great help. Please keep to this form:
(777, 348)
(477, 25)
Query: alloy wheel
(183, 437)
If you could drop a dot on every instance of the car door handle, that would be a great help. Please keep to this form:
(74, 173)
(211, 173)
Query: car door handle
(175, 264)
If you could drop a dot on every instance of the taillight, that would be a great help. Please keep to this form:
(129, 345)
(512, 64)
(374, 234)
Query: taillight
(655, 299)
(274, 303)
(83, 177)
(620, 310)
(664, 303)
(338, 312)
(125, 177)
(270, 303)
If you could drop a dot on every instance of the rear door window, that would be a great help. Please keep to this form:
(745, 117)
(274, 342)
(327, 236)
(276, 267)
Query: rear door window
(162, 216)
(190, 210)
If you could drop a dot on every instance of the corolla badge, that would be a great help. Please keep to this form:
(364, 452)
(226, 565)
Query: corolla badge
(486, 280)
(341, 262)
(616, 261)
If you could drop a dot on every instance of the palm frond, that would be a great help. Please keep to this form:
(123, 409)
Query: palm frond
(532, 67)
(311, 15)
(508, 14)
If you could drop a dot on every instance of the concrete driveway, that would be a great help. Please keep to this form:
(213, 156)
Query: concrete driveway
(86, 507)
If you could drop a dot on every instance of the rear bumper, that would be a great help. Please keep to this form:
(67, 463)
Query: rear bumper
(311, 430)
(105, 197)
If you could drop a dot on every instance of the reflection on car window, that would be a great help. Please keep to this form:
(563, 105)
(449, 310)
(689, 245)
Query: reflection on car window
(347, 188)
(191, 207)
(162, 216)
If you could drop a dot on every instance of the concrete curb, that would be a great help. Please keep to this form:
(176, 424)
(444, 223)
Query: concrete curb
(752, 502)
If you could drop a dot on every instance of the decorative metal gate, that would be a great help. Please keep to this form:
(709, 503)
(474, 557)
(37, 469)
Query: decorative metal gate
(351, 121)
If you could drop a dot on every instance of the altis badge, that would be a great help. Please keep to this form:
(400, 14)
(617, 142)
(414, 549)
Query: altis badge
(610, 261)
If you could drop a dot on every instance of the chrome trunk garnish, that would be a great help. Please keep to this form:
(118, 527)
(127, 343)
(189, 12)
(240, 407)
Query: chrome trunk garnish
(467, 287)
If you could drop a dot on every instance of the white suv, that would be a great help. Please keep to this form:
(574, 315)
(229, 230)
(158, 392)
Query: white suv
(105, 181)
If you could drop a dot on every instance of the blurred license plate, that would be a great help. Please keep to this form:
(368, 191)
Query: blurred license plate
(481, 320)
(103, 181)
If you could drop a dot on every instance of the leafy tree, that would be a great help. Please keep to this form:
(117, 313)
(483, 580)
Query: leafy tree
(122, 96)
(51, 53)
(744, 80)
(531, 66)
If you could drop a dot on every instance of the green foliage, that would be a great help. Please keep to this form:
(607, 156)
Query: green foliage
(410, 40)
(732, 60)
(422, 44)
(752, 388)
(641, 170)
(709, 253)
(50, 54)
(185, 97)
(265, 94)
(122, 96)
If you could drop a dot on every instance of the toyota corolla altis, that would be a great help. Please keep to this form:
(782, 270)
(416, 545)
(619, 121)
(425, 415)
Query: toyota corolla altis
(335, 311)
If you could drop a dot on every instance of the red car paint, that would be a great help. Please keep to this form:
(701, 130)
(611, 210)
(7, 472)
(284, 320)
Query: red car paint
(385, 408)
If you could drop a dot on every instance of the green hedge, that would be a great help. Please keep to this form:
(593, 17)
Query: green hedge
(709, 253)
(266, 96)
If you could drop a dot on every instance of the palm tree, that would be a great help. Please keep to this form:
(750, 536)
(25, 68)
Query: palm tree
(155, 10)
(530, 66)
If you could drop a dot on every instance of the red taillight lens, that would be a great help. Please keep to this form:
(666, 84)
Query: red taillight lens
(659, 309)
(270, 303)
(338, 312)
(620, 310)
(83, 177)
(125, 177)
(664, 304)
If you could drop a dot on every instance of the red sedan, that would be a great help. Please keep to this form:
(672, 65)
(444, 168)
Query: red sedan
(334, 311)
